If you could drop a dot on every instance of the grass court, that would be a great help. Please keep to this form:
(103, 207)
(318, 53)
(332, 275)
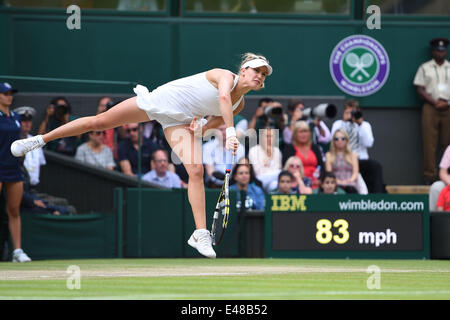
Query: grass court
(226, 279)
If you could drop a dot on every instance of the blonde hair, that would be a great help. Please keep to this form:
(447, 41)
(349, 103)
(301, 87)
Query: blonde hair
(248, 56)
(292, 159)
(300, 125)
(347, 152)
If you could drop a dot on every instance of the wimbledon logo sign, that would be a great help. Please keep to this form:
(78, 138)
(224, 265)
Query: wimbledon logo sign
(359, 65)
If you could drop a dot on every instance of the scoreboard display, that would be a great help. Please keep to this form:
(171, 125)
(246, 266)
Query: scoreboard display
(372, 226)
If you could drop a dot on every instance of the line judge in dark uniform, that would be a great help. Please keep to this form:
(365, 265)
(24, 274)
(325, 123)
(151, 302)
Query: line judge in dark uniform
(11, 176)
(432, 81)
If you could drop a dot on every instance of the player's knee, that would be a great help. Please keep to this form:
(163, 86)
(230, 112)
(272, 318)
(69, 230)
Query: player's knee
(13, 211)
(98, 123)
(195, 171)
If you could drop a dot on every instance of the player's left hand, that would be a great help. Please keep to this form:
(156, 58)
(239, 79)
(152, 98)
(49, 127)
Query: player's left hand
(195, 127)
(232, 143)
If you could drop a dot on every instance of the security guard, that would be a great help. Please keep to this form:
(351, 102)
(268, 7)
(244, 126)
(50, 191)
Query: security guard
(432, 81)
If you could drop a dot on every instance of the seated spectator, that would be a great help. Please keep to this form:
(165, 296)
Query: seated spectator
(343, 162)
(253, 178)
(444, 176)
(154, 132)
(361, 139)
(109, 139)
(31, 202)
(129, 148)
(254, 195)
(443, 202)
(300, 184)
(215, 158)
(160, 175)
(35, 158)
(94, 152)
(285, 179)
(58, 113)
(328, 184)
(309, 153)
(266, 159)
(320, 133)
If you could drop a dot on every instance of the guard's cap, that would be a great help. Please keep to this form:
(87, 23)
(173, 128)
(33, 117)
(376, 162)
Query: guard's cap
(6, 87)
(439, 44)
(25, 112)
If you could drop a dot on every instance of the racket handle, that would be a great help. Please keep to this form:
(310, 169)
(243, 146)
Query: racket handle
(230, 159)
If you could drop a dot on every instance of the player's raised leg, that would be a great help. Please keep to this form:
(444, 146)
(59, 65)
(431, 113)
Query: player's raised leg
(125, 112)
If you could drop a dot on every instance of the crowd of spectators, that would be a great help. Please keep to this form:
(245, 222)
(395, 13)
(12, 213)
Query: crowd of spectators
(293, 151)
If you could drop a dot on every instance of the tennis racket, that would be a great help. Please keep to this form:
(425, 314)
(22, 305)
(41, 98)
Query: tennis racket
(222, 210)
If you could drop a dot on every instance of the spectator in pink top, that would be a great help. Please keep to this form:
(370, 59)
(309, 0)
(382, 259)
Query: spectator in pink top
(444, 177)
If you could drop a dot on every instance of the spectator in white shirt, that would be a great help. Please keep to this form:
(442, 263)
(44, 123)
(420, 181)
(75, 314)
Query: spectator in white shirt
(36, 158)
(266, 159)
(160, 175)
(360, 140)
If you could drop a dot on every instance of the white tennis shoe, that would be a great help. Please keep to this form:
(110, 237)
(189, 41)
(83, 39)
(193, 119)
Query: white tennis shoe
(202, 241)
(20, 256)
(20, 147)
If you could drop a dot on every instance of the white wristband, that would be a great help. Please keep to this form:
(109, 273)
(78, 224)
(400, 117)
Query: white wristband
(230, 132)
(202, 122)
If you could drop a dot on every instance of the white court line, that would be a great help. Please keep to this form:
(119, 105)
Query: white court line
(249, 295)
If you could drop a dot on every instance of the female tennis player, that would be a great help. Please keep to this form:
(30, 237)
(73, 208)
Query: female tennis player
(180, 107)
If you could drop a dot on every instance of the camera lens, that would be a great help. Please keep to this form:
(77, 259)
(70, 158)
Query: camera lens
(357, 114)
(277, 111)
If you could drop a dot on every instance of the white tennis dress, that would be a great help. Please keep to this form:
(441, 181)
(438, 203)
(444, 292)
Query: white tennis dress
(179, 101)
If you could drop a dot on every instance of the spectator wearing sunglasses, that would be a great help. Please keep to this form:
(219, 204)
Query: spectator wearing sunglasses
(129, 150)
(343, 162)
(300, 184)
(95, 152)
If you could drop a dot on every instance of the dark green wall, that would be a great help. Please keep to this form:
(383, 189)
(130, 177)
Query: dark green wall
(164, 223)
(4, 54)
(154, 50)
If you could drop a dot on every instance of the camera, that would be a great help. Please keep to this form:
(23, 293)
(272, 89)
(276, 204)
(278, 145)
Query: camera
(322, 110)
(62, 109)
(357, 114)
(273, 111)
